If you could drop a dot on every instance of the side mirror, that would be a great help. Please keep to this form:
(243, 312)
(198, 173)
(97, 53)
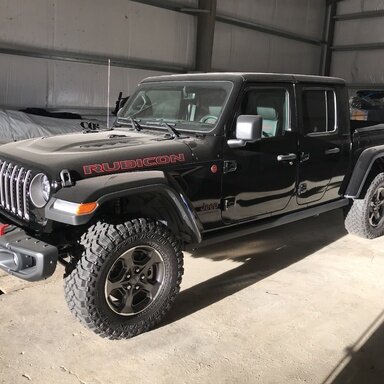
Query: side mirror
(249, 128)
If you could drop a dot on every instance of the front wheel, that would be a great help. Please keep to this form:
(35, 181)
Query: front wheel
(126, 279)
(366, 216)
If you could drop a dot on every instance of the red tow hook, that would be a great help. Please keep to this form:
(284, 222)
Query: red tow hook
(3, 228)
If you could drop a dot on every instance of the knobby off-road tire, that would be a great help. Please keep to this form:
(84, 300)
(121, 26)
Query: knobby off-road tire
(126, 279)
(366, 216)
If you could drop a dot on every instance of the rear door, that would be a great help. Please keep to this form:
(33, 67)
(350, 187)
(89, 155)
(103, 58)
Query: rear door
(322, 148)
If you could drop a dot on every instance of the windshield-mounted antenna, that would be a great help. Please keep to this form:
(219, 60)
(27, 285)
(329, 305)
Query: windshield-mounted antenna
(109, 90)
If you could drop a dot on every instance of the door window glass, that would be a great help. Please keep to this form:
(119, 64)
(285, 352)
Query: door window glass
(272, 105)
(319, 111)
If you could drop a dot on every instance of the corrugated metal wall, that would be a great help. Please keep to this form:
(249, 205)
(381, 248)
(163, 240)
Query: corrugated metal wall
(358, 63)
(131, 31)
(118, 28)
(249, 50)
(31, 82)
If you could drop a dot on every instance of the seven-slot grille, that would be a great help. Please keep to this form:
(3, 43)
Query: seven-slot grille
(14, 189)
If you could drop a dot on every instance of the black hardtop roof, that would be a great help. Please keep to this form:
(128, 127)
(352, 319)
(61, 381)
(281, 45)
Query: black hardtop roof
(247, 76)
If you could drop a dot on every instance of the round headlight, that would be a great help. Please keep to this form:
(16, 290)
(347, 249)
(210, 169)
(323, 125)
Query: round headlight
(39, 190)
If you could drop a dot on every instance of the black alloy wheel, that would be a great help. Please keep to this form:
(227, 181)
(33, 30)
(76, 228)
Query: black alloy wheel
(134, 280)
(376, 208)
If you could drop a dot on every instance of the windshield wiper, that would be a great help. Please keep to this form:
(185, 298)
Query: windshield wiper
(172, 130)
(135, 124)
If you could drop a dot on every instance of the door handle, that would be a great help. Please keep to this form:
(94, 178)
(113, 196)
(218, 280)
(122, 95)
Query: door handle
(332, 151)
(289, 157)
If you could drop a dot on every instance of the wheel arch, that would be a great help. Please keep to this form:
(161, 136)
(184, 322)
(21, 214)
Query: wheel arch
(365, 216)
(150, 194)
(369, 164)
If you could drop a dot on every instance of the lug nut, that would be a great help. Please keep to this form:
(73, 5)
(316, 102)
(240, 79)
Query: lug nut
(142, 277)
(128, 276)
(137, 287)
(137, 270)
(129, 287)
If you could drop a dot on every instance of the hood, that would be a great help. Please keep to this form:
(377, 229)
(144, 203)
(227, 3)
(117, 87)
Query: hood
(96, 153)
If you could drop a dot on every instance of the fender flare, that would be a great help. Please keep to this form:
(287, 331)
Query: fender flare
(108, 187)
(361, 170)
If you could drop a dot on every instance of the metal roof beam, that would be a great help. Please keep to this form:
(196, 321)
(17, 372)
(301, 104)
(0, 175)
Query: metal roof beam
(359, 15)
(53, 54)
(172, 6)
(267, 29)
(358, 47)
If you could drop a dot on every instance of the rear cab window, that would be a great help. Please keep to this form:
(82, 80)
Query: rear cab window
(319, 111)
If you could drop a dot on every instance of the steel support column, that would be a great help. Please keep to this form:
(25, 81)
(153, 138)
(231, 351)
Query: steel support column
(328, 35)
(205, 34)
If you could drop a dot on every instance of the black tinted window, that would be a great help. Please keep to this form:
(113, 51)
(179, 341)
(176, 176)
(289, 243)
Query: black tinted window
(272, 105)
(331, 110)
(318, 111)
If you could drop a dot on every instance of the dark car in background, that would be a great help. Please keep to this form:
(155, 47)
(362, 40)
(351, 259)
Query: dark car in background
(368, 106)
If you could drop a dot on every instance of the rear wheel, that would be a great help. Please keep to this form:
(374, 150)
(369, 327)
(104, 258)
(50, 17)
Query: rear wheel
(126, 278)
(366, 216)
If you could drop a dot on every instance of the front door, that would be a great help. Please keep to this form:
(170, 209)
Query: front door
(259, 179)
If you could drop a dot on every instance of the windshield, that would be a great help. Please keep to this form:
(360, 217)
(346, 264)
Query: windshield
(195, 106)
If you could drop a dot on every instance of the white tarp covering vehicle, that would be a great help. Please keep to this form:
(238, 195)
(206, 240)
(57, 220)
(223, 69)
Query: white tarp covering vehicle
(17, 125)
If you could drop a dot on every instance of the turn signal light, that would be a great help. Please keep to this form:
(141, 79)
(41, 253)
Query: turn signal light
(86, 208)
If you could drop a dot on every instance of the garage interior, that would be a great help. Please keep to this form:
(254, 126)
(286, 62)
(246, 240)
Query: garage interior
(298, 304)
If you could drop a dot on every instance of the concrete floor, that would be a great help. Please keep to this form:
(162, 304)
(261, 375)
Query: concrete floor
(298, 304)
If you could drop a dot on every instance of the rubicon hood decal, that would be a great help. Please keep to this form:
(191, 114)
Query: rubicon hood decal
(125, 165)
(92, 155)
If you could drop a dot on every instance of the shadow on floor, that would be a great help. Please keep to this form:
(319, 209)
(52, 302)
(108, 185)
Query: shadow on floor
(259, 256)
(363, 362)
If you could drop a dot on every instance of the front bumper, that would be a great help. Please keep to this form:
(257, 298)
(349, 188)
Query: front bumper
(26, 257)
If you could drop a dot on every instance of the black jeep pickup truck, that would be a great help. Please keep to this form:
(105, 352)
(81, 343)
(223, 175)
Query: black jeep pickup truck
(191, 159)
